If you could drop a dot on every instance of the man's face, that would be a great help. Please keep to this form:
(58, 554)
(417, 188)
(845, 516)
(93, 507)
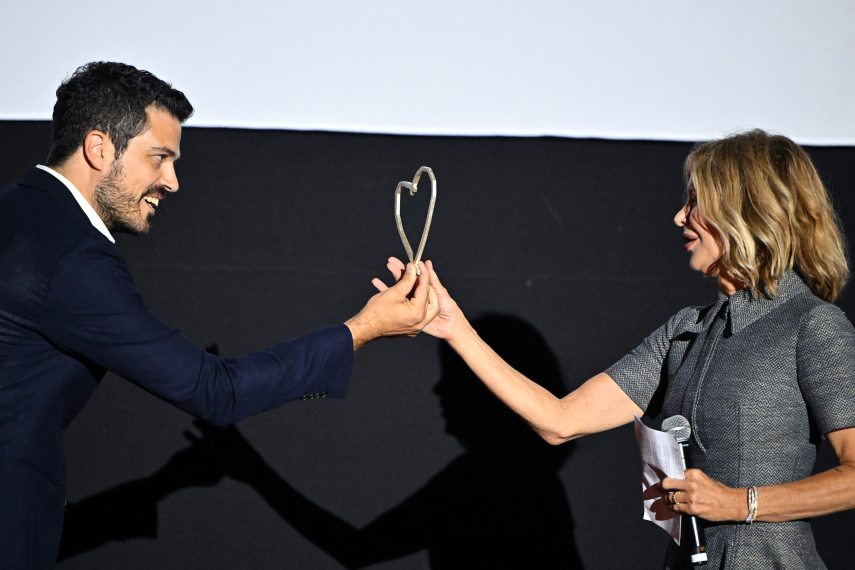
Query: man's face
(129, 194)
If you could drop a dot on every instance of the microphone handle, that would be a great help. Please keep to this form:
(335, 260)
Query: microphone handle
(698, 550)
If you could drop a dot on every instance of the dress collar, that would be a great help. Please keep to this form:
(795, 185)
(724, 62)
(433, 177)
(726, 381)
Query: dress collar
(744, 310)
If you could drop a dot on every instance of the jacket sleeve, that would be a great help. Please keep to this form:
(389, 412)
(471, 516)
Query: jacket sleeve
(95, 312)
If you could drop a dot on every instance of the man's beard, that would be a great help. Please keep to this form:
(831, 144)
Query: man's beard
(118, 206)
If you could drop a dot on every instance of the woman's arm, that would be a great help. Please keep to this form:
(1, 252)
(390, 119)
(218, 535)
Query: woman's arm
(821, 494)
(597, 405)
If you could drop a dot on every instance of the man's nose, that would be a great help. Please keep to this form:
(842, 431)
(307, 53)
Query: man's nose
(169, 180)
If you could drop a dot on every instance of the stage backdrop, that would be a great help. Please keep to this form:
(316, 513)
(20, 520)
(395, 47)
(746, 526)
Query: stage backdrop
(276, 232)
(659, 69)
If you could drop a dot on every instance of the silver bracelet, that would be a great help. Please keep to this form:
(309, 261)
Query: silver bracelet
(752, 505)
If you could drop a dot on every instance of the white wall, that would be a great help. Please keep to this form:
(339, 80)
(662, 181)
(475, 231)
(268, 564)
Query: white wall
(681, 70)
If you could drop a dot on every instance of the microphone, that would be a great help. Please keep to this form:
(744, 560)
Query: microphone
(679, 427)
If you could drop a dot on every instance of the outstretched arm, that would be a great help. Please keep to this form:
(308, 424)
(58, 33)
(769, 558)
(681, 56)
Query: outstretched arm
(597, 405)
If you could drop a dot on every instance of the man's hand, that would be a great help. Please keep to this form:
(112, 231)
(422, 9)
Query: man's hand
(403, 309)
(448, 318)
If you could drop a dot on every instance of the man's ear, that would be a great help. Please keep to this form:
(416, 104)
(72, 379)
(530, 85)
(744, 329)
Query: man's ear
(98, 150)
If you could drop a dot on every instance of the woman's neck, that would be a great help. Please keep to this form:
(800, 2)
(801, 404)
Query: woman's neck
(728, 286)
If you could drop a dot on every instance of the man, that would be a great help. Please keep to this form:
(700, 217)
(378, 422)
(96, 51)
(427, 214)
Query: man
(69, 310)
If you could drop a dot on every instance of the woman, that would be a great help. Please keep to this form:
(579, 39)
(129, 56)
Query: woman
(760, 374)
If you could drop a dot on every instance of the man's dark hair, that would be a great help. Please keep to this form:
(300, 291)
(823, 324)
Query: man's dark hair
(109, 97)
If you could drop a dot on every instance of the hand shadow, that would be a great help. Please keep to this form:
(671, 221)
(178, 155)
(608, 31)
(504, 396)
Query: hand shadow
(498, 505)
(660, 509)
(129, 510)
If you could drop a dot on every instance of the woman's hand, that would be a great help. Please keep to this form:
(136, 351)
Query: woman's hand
(704, 497)
(449, 318)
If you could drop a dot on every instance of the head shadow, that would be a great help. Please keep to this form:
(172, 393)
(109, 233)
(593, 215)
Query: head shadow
(475, 416)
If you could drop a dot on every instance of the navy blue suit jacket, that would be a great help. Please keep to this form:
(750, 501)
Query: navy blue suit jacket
(69, 311)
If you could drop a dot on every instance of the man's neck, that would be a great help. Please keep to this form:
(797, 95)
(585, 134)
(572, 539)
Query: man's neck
(84, 179)
(84, 204)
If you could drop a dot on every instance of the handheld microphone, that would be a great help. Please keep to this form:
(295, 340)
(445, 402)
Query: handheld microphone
(679, 427)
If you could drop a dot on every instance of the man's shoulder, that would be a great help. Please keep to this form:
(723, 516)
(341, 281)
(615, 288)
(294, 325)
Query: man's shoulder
(41, 226)
(41, 212)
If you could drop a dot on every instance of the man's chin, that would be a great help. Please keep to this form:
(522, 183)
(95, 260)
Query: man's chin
(136, 229)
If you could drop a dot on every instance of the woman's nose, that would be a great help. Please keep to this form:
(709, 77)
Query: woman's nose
(680, 217)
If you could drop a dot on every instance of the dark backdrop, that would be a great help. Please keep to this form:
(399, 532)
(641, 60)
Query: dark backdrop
(274, 233)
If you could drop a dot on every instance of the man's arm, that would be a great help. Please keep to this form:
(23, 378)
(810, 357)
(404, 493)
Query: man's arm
(95, 313)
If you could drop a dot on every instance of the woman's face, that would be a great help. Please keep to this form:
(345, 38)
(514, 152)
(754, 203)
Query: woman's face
(701, 242)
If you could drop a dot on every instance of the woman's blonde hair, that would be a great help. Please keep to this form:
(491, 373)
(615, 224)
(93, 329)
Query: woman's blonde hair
(762, 196)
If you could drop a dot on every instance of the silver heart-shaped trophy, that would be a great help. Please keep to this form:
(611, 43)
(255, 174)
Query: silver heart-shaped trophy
(414, 187)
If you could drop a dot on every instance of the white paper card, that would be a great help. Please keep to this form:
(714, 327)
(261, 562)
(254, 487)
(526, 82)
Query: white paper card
(660, 458)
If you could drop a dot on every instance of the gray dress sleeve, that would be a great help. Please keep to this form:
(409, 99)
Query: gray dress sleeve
(639, 372)
(826, 367)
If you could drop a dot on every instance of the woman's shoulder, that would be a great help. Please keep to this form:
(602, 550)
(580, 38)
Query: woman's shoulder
(817, 322)
(818, 317)
(803, 304)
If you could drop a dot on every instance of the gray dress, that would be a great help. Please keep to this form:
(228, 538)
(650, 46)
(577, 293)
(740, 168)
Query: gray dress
(760, 380)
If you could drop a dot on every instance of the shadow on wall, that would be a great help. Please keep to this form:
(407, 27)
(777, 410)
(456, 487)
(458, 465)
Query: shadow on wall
(129, 510)
(498, 505)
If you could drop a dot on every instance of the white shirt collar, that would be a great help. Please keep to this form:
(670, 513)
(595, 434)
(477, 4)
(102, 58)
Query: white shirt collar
(87, 208)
